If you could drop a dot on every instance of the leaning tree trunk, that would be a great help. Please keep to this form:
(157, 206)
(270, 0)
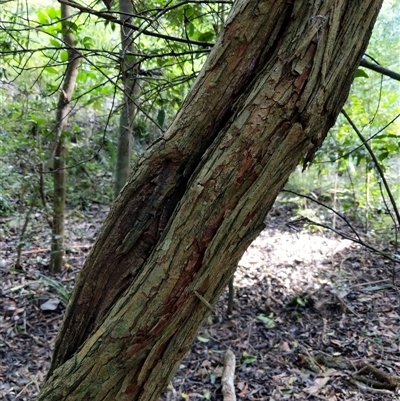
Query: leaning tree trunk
(271, 88)
(59, 150)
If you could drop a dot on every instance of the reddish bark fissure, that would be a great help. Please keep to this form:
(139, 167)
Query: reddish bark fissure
(286, 112)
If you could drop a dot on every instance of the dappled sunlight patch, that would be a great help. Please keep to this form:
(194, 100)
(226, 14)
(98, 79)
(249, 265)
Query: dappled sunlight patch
(297, 260)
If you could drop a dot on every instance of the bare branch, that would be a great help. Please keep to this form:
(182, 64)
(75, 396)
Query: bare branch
(378, 68)
(377, 166)
(109, 17)
(392, 258)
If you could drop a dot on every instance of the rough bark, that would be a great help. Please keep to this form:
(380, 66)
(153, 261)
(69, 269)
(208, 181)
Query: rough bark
(58, 153)
(141, 213)
(129, 68)
(270, 90)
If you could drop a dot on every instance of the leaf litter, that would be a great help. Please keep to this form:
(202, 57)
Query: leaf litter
(316, 317)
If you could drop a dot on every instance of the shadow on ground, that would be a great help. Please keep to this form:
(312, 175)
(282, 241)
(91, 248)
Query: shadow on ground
(309, 309)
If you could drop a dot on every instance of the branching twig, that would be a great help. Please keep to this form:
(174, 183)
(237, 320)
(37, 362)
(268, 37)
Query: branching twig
(109, 17)
(388, 256)
(392, 121)
(326, 207)
(377, 166)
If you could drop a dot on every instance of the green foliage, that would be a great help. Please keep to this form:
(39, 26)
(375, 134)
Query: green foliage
(343, 173)
(34, 60)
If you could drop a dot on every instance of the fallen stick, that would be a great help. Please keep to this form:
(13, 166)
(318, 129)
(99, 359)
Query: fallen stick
(228, 388)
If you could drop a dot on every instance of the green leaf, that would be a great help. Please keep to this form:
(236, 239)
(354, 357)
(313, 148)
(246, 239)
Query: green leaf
(72, 26)
(88, 42)
(206, 36)
(55, 42)
(98, 105)
(383, 155)
(51, 70)
(64, 55)
(43, 18)
(161, 117)
(392, 147)
(160, 61)
(300, 301)
(53, 13)
(37, 119)
(190, 29)
(189, 12)
(203, 339)
(268, 321)
(248, 359)
(360, 73)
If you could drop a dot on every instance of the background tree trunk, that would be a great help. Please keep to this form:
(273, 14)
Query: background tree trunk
(59, 196)
(131, 90)
(58, 153)
(268, 94)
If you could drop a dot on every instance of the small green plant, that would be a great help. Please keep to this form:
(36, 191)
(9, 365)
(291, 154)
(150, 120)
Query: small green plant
(60, 289)
(248, 359)
(301, 300)
(269, 321)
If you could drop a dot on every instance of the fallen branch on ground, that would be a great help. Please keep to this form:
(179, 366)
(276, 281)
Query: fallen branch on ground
(228, 388)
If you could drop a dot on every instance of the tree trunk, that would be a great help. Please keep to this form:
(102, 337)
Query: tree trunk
(271, 88)
(58, 152)
(59, 195)
(129, 70)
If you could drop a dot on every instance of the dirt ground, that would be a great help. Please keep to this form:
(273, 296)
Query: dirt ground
(315, 317)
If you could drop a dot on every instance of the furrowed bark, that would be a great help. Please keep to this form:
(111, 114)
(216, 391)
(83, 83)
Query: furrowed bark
(205, 210)
(141, 213)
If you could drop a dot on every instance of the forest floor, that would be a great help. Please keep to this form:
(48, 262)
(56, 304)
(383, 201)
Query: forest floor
(316, 317)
